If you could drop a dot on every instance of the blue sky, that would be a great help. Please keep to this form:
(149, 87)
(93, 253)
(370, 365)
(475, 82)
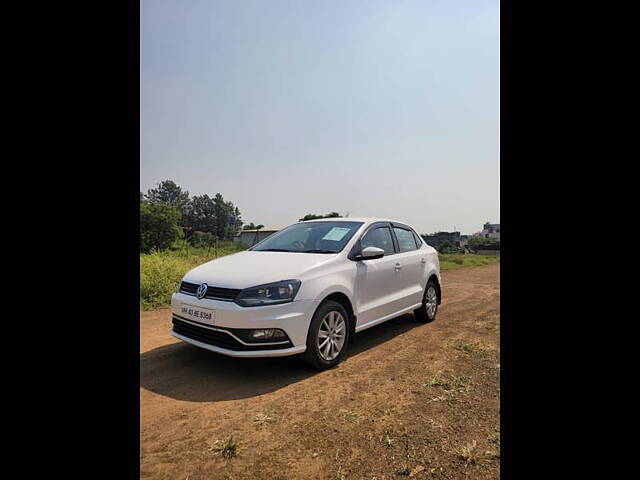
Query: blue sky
(378, 108)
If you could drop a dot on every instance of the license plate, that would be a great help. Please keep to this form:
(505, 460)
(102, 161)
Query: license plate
(198, 314)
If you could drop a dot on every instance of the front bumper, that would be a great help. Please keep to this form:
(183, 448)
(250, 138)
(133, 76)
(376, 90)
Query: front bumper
(294, 318)
(283, 352)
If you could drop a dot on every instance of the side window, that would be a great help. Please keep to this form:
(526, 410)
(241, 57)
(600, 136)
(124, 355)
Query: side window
(406, 241)
(379, 237)
(418, 240)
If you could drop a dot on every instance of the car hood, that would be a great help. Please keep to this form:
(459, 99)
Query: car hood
(250, 268)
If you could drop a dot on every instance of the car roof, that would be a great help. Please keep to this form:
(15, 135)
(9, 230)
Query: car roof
(356, 219)
(348, 219)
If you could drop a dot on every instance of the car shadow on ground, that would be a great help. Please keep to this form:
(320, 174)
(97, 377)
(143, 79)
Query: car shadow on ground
(185, 372)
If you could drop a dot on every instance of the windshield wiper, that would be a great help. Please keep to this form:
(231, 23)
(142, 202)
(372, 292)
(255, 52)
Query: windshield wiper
(319, 250)
(274, 250)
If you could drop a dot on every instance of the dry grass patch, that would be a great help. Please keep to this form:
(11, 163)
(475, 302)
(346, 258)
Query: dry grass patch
(263, 419)
(465, 347)
(493, 322)
(227, 448)
(350, 416)
(387, 439)
(475, 348)
(450, 382)
(469, 453)
(495, 437)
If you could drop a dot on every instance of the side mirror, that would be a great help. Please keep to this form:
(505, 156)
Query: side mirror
(371, 253)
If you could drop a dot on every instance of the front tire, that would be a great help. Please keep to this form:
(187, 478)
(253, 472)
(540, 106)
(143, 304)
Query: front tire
(328, 336)
(427, 312)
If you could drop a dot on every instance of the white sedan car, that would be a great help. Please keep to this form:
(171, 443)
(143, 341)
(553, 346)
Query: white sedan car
(308, 289)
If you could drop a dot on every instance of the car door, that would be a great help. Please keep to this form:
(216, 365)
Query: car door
(378, 289)
(412, 264)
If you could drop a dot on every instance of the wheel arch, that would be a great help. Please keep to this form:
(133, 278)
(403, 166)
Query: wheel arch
(435, 279)
(344, 300)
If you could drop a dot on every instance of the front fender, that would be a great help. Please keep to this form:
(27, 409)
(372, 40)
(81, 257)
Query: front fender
(320, 287)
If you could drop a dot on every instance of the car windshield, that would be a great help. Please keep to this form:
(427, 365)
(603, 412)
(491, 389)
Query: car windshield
(310, 237)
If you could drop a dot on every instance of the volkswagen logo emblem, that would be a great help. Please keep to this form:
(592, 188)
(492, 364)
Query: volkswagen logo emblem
(202, 290)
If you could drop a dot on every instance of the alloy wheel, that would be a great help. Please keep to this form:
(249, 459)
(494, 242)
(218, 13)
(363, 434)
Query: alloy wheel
(431, 302)
(332, 335)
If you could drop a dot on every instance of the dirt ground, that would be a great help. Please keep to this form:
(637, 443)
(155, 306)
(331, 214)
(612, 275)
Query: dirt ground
(410, 400)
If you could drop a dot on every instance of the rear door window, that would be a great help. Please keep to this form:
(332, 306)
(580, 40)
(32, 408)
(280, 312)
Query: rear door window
(418, 240)
(406, 240)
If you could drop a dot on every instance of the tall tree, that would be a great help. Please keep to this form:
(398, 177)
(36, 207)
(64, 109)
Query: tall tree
(228, 217)
(201, 215)
(236, 221)
(169, 193)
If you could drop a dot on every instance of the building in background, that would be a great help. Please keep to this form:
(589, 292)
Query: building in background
(491, 230)
(250, 237)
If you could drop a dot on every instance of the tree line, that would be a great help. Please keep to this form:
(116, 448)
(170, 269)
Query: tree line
(168, 213)
(313, 216)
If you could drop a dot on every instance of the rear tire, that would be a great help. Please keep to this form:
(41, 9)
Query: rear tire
(429, 309)
(328, 336)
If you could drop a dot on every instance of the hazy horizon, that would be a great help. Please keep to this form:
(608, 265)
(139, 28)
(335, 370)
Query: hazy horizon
(372, 108)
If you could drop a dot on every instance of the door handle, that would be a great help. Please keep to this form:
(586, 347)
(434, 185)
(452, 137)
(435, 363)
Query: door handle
(423, 261)
(398, 266)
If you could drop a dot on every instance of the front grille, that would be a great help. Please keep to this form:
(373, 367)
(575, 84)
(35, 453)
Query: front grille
(214, 293)
(218, 338)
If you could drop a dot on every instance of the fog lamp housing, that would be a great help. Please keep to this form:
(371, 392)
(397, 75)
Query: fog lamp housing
(265, 334)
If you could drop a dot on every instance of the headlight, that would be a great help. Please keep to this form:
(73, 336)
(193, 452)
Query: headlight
(268, 294)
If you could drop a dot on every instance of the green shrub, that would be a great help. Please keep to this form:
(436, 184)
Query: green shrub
(453, 261)
(161, 272)
(160, 275)
(202, 239)
(158, 226)
(481, 243)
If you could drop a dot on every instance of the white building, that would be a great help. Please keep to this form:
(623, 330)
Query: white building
(250, 237)
(491, 230)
